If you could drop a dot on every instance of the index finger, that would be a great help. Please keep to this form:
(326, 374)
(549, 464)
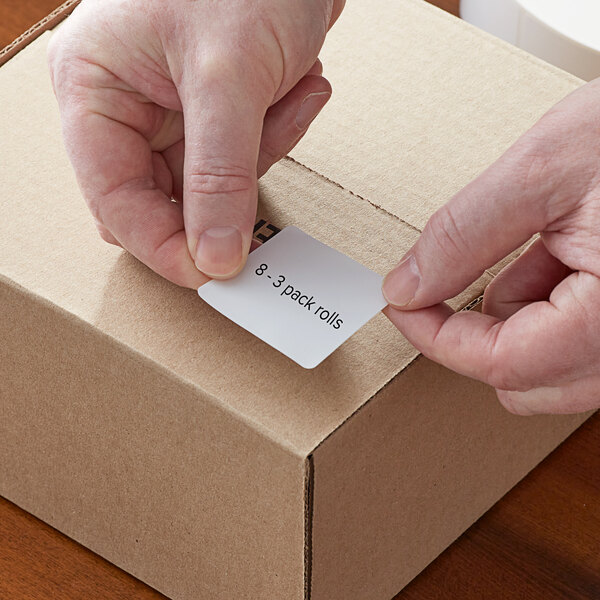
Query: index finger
(545, 343)
(114, 166)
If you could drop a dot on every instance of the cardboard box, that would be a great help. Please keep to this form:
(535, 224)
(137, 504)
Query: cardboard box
(148, 427)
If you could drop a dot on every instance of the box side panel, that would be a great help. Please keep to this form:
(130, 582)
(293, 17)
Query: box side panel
(143, 469)
(408, 473)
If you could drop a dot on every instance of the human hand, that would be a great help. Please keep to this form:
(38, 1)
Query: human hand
(191, 101)
(537, 340)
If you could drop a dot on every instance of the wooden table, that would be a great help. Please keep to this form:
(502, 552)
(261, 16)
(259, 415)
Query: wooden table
(540, 542)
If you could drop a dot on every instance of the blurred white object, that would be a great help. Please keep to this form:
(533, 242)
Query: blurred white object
(565, 33)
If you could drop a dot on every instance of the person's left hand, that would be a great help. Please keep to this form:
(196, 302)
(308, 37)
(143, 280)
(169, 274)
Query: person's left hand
(190, 101)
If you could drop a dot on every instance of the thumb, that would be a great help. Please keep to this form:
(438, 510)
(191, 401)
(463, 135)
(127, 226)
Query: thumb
(223, 125)
(492, 216)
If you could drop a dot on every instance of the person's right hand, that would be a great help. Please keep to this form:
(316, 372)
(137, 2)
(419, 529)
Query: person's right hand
(191, 101)
(538, 339)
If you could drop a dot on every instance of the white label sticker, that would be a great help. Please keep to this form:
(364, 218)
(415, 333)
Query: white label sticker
(300, 296)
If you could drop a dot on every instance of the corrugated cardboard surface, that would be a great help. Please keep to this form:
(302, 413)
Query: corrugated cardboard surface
(422, 103)
(140, 467)
(149, 427)
(409, 473)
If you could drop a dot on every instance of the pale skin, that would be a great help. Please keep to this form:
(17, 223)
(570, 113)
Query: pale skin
(236, 84)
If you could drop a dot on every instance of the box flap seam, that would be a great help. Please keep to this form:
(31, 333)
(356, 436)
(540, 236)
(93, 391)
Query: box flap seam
(339, 185)
(308, 524)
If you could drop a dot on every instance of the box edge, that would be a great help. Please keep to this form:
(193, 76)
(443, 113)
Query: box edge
(48, 22)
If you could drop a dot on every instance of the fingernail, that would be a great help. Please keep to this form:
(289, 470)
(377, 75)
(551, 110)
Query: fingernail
(401, 284)
(219, 251)
(310, 108)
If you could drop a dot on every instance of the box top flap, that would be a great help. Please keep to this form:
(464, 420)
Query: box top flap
(422, 103)
(49, 246)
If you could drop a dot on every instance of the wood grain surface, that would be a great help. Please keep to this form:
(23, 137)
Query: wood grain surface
(16, 16)
(540, 542)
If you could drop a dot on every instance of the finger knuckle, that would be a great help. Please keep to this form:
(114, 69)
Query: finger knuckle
(443, 228)
(271, 154)
(218, 179)
(532, 161)
(215, 67)
(537, 162)
(501, 371)
(504, 373)
(232, 68)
